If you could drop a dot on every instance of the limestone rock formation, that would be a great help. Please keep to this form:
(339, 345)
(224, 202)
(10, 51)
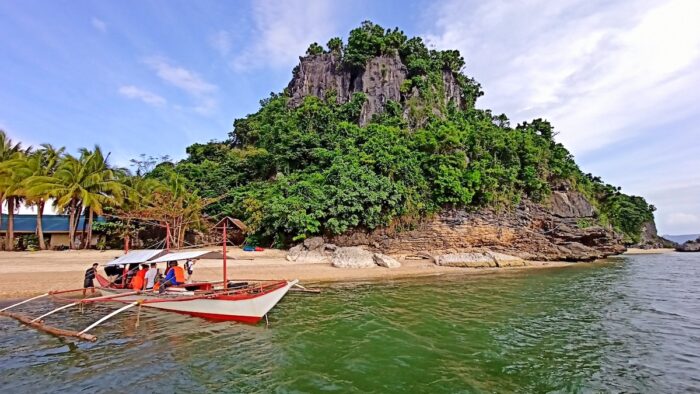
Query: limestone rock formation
(470, 260)
(383, 260)
(531, 232)
(380, 80)
(479, 260)
(312, 250)
(353, 257)
(570, 204)
(651, 240)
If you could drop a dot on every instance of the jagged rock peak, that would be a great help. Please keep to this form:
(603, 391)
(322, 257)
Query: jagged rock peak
(381, 80)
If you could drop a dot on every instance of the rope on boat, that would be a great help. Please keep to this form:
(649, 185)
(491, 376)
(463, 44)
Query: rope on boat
(138, 316)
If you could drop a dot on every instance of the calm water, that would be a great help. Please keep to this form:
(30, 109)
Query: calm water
(630, 325)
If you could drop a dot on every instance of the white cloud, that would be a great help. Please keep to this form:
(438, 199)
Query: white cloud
(680, 218)
(180, 77)
(99, 24)
(221, 41)
(147, 97)
(600, 71)
(188, 81)
(284, 30)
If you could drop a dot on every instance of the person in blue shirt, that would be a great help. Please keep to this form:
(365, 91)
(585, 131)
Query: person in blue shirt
(174, 277)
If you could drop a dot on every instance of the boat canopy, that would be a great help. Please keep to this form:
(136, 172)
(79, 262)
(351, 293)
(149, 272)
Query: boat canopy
(191, 255)
(137, 256)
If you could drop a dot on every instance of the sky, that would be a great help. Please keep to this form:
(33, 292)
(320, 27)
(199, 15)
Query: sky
(619, 80)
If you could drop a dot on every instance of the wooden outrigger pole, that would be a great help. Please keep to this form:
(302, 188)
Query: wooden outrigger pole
(95, 324)
(25, 301)
(38, 324)
(51, 330)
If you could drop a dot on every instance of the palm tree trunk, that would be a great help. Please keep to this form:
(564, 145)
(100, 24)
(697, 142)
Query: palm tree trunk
(71, 223)
(89, 230)
(10, 224)
(83, 245)
(39, 224)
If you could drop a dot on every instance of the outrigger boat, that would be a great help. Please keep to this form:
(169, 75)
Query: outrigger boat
(243, 301)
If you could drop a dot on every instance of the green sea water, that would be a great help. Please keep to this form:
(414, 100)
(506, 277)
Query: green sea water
(631, 324)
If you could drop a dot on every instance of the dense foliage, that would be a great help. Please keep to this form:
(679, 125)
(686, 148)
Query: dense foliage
(312, 169)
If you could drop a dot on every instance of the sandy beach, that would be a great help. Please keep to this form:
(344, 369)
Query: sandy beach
(649, 251)
(30, 273)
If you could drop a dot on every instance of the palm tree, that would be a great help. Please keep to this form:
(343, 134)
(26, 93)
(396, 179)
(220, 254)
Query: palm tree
(8, 151)
(10, 183)
(86, 181)
(43, 162)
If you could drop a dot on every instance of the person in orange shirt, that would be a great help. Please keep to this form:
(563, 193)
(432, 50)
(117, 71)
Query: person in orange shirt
(139, 279)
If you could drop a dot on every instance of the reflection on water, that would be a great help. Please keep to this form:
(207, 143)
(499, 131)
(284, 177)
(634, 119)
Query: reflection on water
(632, 325)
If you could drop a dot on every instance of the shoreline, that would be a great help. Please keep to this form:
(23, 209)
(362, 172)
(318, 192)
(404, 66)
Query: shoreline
(25, 274)
(633, 251)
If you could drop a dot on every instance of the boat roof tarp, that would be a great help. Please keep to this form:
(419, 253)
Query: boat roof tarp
(137, 256)
(191, 255)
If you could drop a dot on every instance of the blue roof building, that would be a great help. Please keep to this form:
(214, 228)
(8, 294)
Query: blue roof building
(26, 224)
(55, 228)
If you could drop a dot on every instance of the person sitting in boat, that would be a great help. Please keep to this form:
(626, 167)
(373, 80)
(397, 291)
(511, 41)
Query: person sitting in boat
(174, 277)
(189, 267)
(89, 277)
(133, 268)
(151, 276)
(139, 279)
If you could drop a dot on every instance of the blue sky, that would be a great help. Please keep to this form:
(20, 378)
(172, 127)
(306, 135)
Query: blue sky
(619, 80)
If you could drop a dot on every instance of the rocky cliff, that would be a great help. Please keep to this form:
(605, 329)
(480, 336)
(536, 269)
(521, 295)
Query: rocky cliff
(558, 230)
(650, 239)
(381, 80)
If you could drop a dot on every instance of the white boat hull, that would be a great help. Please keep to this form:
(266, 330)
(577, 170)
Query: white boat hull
(244, 308)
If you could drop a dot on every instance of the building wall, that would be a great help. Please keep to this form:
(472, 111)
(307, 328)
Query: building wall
(61, 239)
(58, 239)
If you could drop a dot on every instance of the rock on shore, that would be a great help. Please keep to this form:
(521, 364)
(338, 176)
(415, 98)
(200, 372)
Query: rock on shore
(689, 246)
(479, 260)
(315, 250)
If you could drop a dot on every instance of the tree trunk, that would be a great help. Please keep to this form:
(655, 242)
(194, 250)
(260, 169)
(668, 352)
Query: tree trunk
(84, 245)
(10, 224)
(88, 241)
(39, 224)
(71, 224)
